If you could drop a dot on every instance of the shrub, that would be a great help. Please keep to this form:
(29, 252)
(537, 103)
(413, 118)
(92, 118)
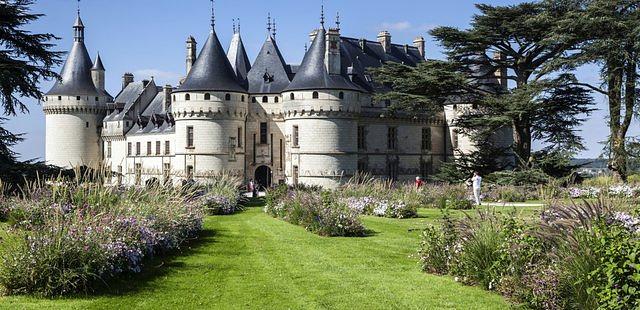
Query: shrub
(318, 212)
(383, 208)
(67, 238)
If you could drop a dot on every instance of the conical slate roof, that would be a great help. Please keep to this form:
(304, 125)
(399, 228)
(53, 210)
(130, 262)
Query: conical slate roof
(76, 73)
(212, 70)
(268, 74)
(97, 65)
(312, 73)
(238, 58)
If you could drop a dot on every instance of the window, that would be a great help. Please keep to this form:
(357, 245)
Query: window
(426, 138)
(86, 124)
(362, 165)
(292, 96)
(341, 95)
(59, 97)
(207, 96)
(315, 95)
(362, 138)
(174, 97)
(281, 154)
(166, 172)
(454, 138)
(97, 99)
(187, 97)
(189, 136)
(148, 148)
(138, 174)
(426, 168)
(254, 100)
(264, 131)
(157, 147)
(77, 97)
(295, 175)
(167, 148)
(119, 175)
(129, 149)
(138, 148)
(392, 138)
(240, 137)
(232, 148)
(189, 172)
(275, 99)
(393, 169)
(295, 136)
(227, 97)
(108, 149)
(265, 99)
(242, 98)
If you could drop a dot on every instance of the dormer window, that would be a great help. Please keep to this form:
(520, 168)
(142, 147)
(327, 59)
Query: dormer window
(187, 97)
(227, 97)
(315, 95)
(207, 96)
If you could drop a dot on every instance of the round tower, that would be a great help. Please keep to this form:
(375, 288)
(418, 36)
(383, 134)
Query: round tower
(210, 109)
(74, 109)
(321, 106)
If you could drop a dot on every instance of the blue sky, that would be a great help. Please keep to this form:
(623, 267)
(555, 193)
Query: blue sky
(148, 38)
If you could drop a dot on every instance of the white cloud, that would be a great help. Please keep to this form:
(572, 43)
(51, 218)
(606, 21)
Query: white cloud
(397, 26)
(160, 76)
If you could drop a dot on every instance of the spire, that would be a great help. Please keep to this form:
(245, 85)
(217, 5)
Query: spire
(268, 23)
(322, 15)
(97, 65)
(234, 26)
(213, 16)
(338, 21)
(78, 27)
(269, 73)
(238, 24)
(238, 58)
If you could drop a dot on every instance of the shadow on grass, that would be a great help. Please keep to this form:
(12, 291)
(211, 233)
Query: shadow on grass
(254, 202)
(157, 267)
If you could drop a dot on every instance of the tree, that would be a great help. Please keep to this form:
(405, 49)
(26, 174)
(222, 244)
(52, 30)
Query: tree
(608, 32)
(25, 59)
(498, 66)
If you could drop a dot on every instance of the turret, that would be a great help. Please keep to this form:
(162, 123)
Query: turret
(419, 44)
(74, 108)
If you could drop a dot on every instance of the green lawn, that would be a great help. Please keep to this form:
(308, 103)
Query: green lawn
(251, 260)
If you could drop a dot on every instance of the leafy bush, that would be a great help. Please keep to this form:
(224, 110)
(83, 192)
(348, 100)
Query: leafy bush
(519, 177)
(71, 237)
(383, 208)
(221, 195)
(318, 212)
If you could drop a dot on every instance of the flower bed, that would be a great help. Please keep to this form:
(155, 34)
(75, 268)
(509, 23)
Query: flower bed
(380, 207)
(577, 256)
(69, 238)
(317, 212)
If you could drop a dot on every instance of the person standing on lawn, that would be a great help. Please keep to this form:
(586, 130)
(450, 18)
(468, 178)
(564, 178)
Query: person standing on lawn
(418, 182)
(476, 181)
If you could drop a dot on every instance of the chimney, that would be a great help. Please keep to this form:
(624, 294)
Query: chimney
(362, 43)
(501, 72)
(312, 36)
(167, 97)
(191, 52)
(384, 38)
(127, 78)
(332, 51)
(419, 43)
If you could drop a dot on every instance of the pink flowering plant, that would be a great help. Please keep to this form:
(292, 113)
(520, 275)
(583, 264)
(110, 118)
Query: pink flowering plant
(69, 238)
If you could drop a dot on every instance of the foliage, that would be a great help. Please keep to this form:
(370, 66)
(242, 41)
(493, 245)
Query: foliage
(70, 237)
(222, 195)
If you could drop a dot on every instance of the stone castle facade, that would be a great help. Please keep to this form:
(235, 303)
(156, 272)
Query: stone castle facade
(313, 123)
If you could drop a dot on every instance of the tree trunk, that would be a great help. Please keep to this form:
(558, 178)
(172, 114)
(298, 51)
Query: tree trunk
(618, 157)
(522, 140)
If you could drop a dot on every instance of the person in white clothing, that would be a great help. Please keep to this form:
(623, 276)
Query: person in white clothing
(476, 180)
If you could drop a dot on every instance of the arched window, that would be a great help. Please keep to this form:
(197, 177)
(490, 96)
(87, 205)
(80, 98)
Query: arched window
(275, 99)
(341, 95)
(227, 97)
(315, 95)
(292, 96)
(242, 98)
(265, 99)
(187, 97)
(207, 96)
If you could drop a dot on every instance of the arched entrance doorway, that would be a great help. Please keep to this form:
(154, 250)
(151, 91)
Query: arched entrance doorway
(263, 177)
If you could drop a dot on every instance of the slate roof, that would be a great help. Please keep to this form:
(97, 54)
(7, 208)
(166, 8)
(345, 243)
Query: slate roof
(97, 65)
(154, 119)
(125, 100)
(212, 70)
(238, 59)
(269, 74)
(75, 77)
(312, 73)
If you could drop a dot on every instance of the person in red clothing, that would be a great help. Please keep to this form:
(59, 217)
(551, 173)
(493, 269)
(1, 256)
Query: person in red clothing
(419, 182)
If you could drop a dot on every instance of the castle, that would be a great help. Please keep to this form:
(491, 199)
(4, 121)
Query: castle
(314, 123)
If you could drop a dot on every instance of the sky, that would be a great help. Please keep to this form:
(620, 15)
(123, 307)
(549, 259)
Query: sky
(147, 38)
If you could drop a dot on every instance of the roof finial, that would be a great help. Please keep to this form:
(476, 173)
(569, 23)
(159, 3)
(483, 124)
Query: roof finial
(322, 14)
(305, 47)
(234, 26)
(338, 21)
(78, 9)
(274, 28)
(213, 16)
(238, 24)
(268, 23)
